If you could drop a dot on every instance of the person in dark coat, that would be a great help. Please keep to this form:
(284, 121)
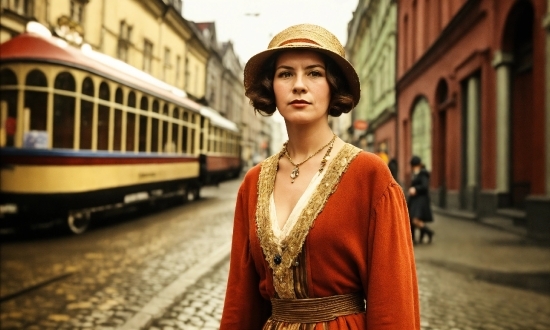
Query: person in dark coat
(419, 201)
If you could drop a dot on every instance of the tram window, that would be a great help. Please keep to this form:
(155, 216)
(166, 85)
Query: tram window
(117, 138)
(185, 132)
(131, 123)
(175, 128)
(155, 128)
(168, 145)
(86, 114)
(143, 125)
(103, 113)
(192, 134)
(63, 112)
(37, 101)
(201, 138)
(9, 96)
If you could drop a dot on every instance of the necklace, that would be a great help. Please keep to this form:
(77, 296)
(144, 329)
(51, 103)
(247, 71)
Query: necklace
(296, 171)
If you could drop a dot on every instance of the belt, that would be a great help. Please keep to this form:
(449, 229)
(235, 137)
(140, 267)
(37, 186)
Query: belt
(313, 310)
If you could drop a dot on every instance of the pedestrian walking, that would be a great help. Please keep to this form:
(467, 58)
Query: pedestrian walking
(321, 233)
(420, 211)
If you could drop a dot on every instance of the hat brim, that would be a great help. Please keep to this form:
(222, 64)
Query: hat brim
(256, 63)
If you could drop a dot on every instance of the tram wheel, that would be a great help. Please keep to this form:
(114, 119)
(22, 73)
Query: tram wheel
(192, 193)
(78, 222)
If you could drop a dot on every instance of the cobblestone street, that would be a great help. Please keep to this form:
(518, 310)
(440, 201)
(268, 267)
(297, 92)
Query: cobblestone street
(168, 271)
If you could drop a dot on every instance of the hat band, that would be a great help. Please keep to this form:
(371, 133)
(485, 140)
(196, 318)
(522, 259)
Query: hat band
(291, 41)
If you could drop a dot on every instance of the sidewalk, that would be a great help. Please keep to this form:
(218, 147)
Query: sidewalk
(488, 253)
(477, 277)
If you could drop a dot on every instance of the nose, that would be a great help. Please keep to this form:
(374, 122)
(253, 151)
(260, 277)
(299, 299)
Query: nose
(299, 86)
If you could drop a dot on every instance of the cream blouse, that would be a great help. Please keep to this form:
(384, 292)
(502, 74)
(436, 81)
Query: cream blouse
(281, 233)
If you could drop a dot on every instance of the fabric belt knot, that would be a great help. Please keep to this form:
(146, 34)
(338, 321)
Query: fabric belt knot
(314, 310)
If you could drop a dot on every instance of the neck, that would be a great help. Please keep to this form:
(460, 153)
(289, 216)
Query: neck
(303, 142)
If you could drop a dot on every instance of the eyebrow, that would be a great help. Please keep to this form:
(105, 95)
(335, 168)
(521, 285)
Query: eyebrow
(307, 67)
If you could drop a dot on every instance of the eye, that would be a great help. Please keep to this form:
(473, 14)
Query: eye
(284, 74)
(316, 73)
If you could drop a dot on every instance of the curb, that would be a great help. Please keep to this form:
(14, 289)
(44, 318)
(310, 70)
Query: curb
(170, 294)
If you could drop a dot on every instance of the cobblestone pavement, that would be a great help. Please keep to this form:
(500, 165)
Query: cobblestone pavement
(100, 280)
(471, 277)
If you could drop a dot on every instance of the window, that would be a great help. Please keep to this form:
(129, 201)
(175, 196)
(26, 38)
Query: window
(124, 37)
(178, 70)
(86, 114)
(63, 112)
(155, 128)
(77, 11)
(167, 65)
(421, 132)
(187, 74)
(8, 103)
(131, 123)
(147, 56)
(36, 100)
(103, 116)
(117, 138)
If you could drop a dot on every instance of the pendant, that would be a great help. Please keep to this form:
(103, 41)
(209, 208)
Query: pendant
(294, 174)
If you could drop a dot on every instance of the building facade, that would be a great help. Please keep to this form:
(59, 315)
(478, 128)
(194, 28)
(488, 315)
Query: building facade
(371, 48)
(472, 86)
(149, 35)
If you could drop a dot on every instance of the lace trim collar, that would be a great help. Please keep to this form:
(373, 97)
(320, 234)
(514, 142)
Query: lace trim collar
(281, 257)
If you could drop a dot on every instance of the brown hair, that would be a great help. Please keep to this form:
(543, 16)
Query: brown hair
(262, 96)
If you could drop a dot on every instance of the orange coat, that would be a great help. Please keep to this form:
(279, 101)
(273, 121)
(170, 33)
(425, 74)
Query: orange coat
(359, 242)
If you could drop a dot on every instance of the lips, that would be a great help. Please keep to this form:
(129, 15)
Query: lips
(299, 102)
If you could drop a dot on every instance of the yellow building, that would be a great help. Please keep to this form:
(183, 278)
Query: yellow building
(150, 35)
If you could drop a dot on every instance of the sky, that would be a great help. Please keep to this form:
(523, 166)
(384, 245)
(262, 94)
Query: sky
(250, 24)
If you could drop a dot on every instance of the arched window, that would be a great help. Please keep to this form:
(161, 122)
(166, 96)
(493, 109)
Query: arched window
(86, 113)
(185, 131)
(103, 112)
(117, 138)
(155, 128)
(131, 123)
(167, 145)
(421, 138)
(63, 111)
(36, 99)
(175, 127)
(143, 116)
(8, 99)
(192, 120)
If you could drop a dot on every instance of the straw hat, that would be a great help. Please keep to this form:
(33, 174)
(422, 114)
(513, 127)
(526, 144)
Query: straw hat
(304, 36)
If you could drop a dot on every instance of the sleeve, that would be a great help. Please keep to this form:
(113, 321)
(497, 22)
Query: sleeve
(391, 284)
(244, 307)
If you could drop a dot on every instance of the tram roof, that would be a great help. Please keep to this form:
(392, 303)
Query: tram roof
(32, 47)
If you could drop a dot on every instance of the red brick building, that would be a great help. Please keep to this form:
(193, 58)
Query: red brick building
(472, 83)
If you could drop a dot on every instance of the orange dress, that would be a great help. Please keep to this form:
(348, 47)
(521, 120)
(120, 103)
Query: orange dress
(353, 236)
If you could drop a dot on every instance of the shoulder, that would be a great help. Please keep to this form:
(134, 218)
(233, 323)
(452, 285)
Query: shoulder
(368, 172)
(371, 164)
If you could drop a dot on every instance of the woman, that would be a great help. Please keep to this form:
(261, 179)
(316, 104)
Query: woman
(419, 201)
(321, 226)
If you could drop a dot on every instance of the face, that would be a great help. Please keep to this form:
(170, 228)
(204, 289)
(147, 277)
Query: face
(302, 93)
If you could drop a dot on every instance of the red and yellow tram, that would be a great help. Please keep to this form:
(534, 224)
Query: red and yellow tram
(82, 132)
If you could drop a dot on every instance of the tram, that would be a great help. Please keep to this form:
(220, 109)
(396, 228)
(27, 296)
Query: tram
(82, 132)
